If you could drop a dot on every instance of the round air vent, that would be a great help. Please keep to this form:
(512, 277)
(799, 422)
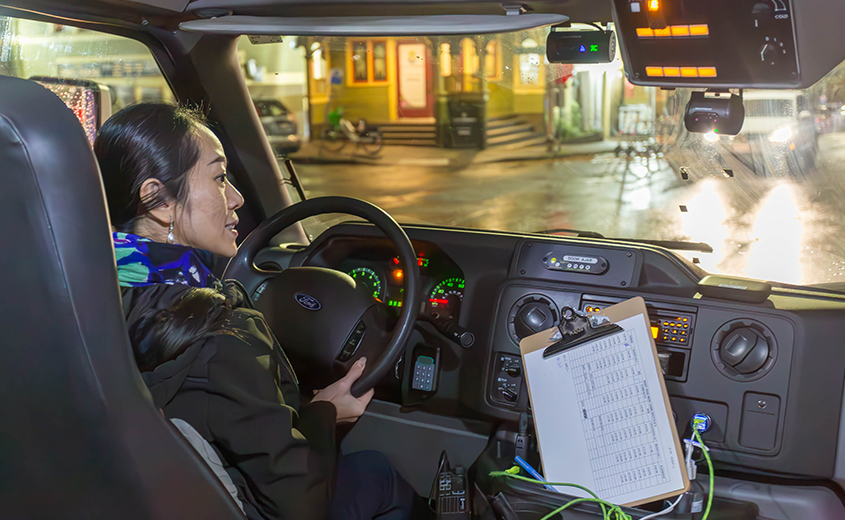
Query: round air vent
(532, 314)
(744, 350)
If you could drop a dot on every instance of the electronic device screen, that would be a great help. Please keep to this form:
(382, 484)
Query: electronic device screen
(717, 43)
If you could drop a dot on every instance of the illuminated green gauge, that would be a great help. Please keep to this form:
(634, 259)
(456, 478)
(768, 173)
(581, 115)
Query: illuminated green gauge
(448, 294)
(371, 281)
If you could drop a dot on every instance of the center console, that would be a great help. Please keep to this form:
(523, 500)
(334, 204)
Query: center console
(733, 361)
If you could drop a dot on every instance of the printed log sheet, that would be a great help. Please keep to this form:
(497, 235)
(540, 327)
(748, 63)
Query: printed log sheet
(601, 417)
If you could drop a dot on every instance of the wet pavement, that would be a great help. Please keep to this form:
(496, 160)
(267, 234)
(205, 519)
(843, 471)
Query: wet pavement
(782, 227)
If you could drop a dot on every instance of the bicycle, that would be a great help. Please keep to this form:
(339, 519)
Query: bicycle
(342, 132)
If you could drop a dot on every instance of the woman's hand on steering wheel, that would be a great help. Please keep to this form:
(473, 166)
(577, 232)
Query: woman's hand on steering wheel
(349, 408)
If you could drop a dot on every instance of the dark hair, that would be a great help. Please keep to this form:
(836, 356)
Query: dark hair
(143, 141)
(159, 336)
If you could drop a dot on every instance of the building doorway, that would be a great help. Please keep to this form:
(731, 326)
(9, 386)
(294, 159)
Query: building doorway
(413, 71)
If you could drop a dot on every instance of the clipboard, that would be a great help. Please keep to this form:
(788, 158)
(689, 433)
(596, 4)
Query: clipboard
(558, 436)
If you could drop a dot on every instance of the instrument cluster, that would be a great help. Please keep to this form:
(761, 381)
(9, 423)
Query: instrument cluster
(442, 282)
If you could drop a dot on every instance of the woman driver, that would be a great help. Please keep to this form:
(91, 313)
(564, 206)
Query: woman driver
(206, 355)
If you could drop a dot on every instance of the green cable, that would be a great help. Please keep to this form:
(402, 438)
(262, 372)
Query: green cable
(606, 514)
(509, 474)
(712, 475)
(614, 509)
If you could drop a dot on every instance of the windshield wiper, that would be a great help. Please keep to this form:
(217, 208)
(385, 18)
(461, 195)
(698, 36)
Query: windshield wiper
(577, 232)
(676, 245)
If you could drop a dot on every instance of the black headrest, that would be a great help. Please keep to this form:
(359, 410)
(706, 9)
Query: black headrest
(79, 436)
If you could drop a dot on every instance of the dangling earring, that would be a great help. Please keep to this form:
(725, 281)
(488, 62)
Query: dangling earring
(170, 238)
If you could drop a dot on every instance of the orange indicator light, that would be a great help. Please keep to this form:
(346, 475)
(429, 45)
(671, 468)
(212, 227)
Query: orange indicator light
(673, 72)
(689, 72)
(699, 30)
(706, 72)
(680, 30)
(655, 331)
(645, 32)
(654, 71)
(663, 33)
(398, 274)
(653, 5)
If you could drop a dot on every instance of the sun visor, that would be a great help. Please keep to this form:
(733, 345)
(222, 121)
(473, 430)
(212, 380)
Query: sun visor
(729, 43)
(440, 25)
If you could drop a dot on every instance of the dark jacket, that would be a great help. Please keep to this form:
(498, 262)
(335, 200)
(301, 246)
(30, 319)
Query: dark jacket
(238, 390)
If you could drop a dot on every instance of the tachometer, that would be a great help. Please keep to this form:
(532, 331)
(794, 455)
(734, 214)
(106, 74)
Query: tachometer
(448, 294)
(371, 281)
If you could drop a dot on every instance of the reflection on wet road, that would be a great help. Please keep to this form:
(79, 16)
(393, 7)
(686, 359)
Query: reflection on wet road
(785, 229)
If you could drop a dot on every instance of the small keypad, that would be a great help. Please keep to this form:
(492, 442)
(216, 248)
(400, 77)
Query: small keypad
(423, 374)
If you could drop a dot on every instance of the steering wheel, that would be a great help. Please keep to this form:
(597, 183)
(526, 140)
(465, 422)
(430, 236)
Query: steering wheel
(324, 319)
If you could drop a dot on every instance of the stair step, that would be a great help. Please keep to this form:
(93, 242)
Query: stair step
(502, 118)
(406, 128)
(510, 129)
(534, 140)
(515, 138)
(408, 135)
(510, 138)
(501, 124)
(411, 142)
(498, 123)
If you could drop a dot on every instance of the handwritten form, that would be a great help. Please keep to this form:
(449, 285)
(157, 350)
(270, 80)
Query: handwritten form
(601, 418)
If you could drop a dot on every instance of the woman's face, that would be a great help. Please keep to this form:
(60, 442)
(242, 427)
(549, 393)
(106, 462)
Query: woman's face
(208, 217)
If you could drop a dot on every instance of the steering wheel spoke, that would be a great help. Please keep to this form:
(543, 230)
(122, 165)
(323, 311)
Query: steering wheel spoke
(370, 337)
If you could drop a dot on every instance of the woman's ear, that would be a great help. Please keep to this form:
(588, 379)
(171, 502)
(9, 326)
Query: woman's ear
(150, 190)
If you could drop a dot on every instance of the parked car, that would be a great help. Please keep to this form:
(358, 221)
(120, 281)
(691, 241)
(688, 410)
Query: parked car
(279, 124)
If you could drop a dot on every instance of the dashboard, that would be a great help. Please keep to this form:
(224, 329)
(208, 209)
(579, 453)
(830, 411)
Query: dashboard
(376, 265)
(770, 374)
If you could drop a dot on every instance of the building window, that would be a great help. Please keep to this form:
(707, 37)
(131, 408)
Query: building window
(379, 61)
(529, 65)
(368, 62)
(318, 62)
(445, 60)
(493, 60)
(470, 56)
(469, 65)
(529, 69)
(319, 70)
(360, 65)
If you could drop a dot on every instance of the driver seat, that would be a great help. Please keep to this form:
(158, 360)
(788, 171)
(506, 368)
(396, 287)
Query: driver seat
(79, 436)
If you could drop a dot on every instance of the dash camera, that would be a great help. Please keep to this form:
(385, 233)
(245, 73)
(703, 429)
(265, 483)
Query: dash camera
(581, 46)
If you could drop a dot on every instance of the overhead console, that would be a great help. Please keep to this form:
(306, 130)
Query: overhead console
(728, 43)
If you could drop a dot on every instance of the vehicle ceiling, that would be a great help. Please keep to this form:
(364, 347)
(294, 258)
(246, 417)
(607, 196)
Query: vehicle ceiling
(168, 13)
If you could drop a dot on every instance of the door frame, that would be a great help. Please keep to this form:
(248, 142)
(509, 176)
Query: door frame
(428, 111)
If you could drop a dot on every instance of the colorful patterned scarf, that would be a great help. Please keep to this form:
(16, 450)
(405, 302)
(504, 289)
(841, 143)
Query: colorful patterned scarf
(142, 262)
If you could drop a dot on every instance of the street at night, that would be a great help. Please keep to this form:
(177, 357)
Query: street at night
(783, 228)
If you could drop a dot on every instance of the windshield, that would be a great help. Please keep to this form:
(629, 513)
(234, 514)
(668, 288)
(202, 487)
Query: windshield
(482, 132)
(774, 107)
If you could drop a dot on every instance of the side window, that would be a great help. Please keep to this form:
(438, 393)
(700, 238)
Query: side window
(95, 74)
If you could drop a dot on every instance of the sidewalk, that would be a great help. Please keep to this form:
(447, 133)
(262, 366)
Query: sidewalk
(391, 155)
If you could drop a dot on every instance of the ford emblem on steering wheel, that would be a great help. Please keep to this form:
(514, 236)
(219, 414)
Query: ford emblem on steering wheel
(309, 302)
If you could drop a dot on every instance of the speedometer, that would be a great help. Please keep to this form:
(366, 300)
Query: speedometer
(448, 294)
(371, 281)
